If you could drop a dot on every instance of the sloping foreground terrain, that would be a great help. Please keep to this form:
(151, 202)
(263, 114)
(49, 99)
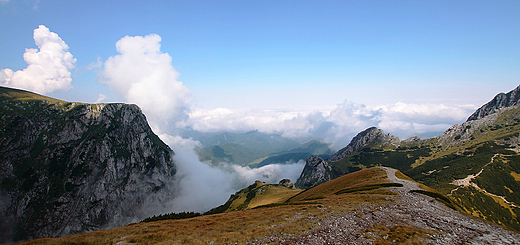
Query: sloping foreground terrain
(257, 194)
(476, 164)
(68, 167)
(376, 205)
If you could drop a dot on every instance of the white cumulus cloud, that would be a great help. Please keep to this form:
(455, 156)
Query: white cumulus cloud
(48, 67)
(143, 74)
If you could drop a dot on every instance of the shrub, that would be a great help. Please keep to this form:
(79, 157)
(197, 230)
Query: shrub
(182, 215)
(368, 187)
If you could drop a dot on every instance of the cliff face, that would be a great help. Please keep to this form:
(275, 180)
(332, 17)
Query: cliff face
(315, 172)
(498, 103)
(67, 168)
(371, 136)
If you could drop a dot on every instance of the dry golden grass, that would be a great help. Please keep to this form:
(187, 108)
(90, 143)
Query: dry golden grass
(515, 175)
(273, 194)
(400, 175)
(363, 177)
(22, 95)
(264, 194)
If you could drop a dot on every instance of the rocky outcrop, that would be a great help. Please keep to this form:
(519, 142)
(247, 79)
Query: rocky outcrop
(485, 116)
(373, 137)
(459, 133)
(498, 103)
(287, 183)
(315, 172)
(67, 167)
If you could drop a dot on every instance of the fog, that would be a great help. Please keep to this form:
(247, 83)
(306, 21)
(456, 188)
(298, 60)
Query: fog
(200, 186)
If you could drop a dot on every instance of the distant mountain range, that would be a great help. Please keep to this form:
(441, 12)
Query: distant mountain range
(256, 149)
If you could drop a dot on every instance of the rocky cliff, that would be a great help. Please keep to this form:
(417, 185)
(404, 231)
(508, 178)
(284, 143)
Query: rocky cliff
(370, 137)
(495, 114)
(315, 172)
(498, 103)
(69, 167)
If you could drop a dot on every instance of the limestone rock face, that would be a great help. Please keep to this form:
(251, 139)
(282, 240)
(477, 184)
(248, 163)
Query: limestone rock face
(485, 116)
(315, 172)
(501, 101)
(370, 137)
(287, 183)
(67, 168)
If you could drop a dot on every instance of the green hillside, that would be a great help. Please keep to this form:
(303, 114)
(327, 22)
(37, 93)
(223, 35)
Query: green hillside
(256, 149)
(255, 195)
(311, 148)
(483, 152)
(401, 158)
(242, 149)
(230, 153)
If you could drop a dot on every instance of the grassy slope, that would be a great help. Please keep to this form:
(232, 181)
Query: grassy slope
(255, 195)
(21, 95)
(246, 225)
(401, 158)
(438, 167)
(11, 94)
(468, 158)
(495, 179)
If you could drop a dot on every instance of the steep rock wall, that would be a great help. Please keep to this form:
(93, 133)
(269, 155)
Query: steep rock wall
(67, 168)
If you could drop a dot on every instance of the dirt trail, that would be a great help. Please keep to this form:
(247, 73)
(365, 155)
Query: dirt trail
(416, 210)
(467, 182)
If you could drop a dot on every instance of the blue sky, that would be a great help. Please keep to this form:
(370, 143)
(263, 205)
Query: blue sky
(291, 57)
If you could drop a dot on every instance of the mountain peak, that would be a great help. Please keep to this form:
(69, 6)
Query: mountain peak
(501, 101)
(371, 136)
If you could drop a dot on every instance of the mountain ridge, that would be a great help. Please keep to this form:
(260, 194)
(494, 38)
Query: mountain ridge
(500, 101)
(482, 153)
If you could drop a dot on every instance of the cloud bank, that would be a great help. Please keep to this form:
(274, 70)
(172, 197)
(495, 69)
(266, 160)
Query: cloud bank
(48, 67)
(336, 126)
